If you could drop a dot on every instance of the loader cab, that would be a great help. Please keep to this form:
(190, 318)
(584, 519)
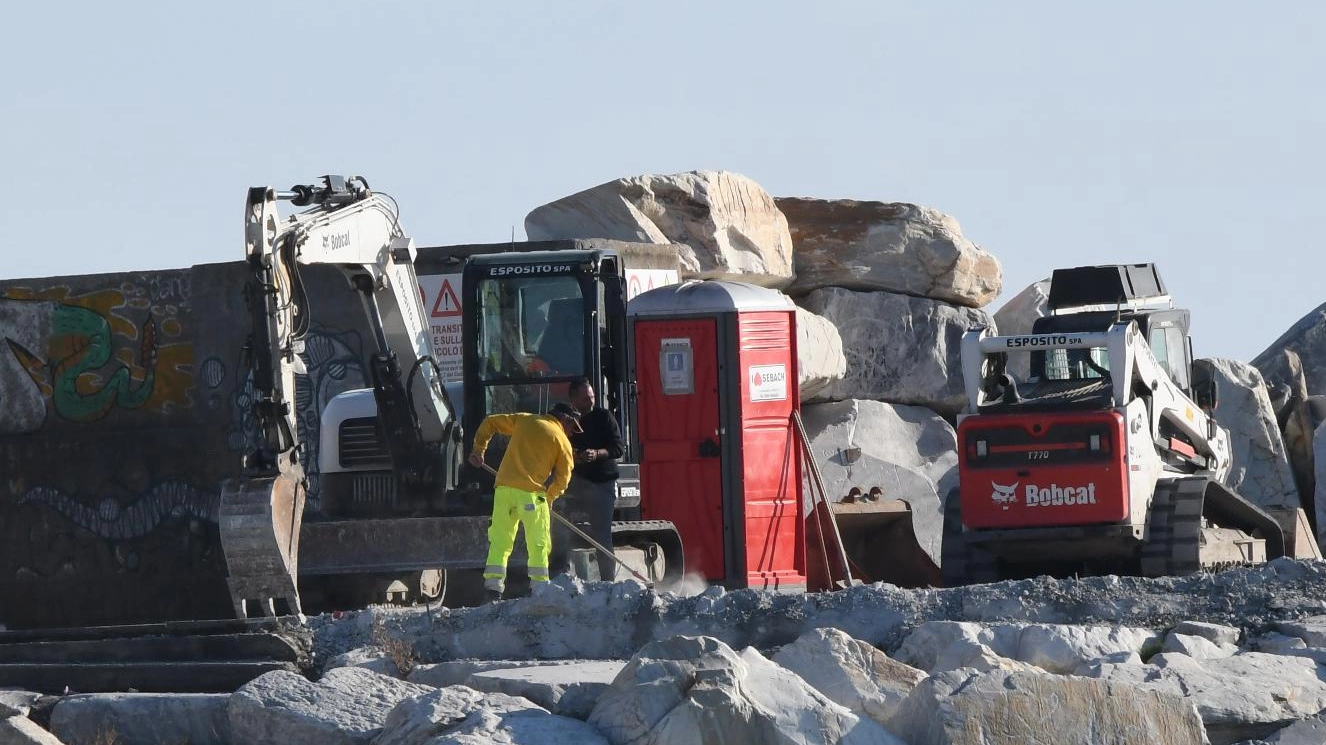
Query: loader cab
(1166, 332)
(1092, 298)
(534, 322)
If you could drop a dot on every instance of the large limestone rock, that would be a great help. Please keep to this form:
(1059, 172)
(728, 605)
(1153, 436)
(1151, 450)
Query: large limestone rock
(1019, 313)
(348, 705)
(463, 716)
(1302, 418)
(1299, 351)
(568, 689)
(195, 718)
(727, 225)
(910, 452)
(1054, 648)
(1260, 471)
(16, 701)
(373, 658)
(1017, 316)
(1319, 480)
(1312, 630)
(1245, 696)
(19, 730)
(1197, 647)
(458, 672)
(685, 690)
(1310, 731)
(1013, 708)
(820, 359)
(900, 349)
(850, 672)
(895, 247)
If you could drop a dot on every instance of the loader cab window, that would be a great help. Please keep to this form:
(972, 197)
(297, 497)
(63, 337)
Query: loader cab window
(1073, 364)
(1170, 349)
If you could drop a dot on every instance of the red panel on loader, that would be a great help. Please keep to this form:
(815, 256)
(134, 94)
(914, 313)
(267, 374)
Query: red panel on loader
(1027, 469)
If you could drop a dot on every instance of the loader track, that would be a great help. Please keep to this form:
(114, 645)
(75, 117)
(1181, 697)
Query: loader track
(960, 562)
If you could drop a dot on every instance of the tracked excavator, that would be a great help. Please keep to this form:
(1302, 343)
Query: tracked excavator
(1089, 446)
(400, 508)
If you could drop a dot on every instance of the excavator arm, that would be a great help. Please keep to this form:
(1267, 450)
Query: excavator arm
(355, 230)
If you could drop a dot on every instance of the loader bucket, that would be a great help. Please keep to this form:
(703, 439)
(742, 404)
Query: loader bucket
(1299, 541)
(880, 544)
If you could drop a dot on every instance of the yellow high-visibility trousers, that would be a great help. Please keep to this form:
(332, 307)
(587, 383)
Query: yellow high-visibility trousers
(512, 507)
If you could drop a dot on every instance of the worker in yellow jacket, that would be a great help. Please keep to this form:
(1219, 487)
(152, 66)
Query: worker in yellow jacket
(539, 454)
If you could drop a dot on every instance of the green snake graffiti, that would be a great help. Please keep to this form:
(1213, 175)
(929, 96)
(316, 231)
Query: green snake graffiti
(81, 323)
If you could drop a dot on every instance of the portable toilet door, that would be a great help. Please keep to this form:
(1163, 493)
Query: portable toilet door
(715, 371)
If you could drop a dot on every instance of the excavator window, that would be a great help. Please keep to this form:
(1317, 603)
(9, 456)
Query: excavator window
(531, 341)
(531, 327)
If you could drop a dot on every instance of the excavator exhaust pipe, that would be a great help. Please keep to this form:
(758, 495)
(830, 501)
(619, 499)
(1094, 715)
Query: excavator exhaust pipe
(260, 520)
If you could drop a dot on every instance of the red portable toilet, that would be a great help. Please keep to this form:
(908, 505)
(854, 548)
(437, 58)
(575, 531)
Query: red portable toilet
(715, 369)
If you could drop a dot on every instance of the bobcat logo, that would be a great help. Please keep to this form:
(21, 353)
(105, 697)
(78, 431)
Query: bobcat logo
(1004, 495)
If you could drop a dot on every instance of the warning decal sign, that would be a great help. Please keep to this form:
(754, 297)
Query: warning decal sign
(444, 322)
(447, 305)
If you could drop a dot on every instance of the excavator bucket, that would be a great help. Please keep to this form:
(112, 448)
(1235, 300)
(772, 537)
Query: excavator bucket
(259, 523)
(879, 537)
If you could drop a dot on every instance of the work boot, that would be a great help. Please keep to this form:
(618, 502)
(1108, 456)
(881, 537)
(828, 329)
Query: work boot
(492, 596)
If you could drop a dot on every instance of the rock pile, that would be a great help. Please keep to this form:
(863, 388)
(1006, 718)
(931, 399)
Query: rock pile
(1229, 658)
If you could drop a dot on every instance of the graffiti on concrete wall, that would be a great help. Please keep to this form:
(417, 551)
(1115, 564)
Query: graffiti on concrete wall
(81, 357)
(116, 521)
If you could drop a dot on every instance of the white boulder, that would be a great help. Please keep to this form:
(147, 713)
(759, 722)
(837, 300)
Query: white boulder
(820, 359)
(963, 707)
(463, 716)
(896, 247)
(348, 705)
(900, 349)
(850, 672)
(684, 690)
(726, 224)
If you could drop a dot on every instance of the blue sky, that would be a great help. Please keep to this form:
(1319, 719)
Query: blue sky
(1059, 134)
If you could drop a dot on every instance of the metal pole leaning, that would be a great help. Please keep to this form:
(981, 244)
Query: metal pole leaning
(587, 539)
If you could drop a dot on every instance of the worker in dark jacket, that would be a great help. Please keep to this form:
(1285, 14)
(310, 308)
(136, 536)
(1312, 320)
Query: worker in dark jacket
(539, 453)
(592, 494)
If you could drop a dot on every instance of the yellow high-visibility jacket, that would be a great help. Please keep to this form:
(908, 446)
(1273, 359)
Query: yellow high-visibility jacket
(539, 446)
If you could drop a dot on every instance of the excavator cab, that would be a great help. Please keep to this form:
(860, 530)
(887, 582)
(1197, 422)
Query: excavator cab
(534, 322)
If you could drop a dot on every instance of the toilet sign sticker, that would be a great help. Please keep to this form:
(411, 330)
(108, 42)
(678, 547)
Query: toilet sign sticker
(768, 382)
(676, 364)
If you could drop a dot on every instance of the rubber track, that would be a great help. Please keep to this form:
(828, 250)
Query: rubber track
(960, 563)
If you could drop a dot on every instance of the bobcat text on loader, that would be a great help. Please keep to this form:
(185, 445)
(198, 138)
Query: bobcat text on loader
(1089, 446)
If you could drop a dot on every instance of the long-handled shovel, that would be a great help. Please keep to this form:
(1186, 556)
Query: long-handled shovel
(588, 540)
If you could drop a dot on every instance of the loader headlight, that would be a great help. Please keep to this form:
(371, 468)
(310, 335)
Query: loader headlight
(982, 449)
(1095, 442)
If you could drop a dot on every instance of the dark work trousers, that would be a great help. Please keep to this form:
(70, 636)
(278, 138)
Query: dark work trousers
(584, 502)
